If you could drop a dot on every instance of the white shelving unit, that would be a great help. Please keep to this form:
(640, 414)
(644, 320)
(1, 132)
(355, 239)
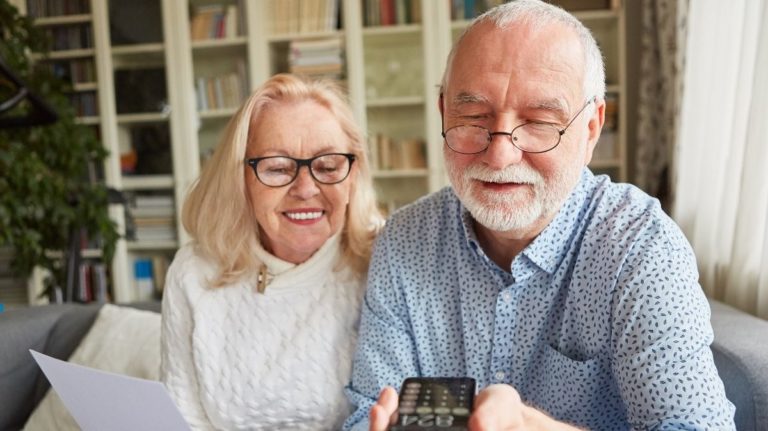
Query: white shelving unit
(391, 74)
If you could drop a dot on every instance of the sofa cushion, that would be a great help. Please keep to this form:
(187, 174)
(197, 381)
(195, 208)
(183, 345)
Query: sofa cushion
(65, 335)
(741, 357)
(122, 340)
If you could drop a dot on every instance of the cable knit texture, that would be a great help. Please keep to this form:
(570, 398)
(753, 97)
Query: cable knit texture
(235, 359)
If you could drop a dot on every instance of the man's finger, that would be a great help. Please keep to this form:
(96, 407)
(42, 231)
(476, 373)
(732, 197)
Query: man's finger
(382, 411)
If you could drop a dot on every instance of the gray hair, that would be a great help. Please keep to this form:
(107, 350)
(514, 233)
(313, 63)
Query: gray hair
(538, 14)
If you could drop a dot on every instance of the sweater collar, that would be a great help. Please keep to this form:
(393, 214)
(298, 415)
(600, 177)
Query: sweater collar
(283, 274)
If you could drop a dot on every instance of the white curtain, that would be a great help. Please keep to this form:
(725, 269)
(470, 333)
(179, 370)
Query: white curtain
(721, 157)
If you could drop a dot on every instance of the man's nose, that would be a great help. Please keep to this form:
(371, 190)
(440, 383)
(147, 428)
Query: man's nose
(501, 151)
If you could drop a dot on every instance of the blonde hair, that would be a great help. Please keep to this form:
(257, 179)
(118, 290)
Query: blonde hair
(217, 213)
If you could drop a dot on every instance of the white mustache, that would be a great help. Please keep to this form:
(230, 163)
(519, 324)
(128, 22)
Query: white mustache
(511, 174)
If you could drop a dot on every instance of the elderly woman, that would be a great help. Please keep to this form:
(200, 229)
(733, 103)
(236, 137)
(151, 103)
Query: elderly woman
(260, 311)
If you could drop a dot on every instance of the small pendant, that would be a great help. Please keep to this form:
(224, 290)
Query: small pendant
(261, 284)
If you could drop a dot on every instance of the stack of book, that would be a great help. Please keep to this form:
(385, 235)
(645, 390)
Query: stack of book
(152, 218)
(390, 154)
(322, 58)
(221, 91)
(215, 21)
(304, 16)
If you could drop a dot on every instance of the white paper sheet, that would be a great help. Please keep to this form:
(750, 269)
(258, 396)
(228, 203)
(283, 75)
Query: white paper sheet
(99, 400)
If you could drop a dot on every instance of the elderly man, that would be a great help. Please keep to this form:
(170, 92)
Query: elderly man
(573, 301)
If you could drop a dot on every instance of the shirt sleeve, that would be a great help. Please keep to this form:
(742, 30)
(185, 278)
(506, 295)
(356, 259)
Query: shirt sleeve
(177, 369)
(386, 352)
(662, 360)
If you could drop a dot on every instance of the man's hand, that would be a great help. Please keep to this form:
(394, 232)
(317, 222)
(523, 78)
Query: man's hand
(382, 411)
(499, 408)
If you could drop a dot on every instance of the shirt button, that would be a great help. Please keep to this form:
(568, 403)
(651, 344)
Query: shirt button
(506, 296)
(499, 376)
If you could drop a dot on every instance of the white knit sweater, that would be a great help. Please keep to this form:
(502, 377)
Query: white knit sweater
(235, 359)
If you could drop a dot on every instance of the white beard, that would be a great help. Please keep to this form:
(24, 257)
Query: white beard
(503, 212)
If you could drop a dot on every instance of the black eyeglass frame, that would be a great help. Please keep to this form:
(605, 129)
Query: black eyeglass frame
(560, 132)
(253, 162)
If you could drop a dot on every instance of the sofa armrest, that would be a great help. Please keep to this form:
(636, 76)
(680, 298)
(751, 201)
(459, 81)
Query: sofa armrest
(741, 356)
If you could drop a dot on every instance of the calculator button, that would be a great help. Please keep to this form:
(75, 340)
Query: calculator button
(460, 411)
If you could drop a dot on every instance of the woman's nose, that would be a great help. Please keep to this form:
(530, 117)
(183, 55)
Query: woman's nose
(304, 186)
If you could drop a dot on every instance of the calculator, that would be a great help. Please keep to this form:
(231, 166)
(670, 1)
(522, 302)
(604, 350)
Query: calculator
(434, 403)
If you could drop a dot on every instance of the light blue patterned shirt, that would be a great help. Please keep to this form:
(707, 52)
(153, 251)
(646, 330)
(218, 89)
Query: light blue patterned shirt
(599, 322)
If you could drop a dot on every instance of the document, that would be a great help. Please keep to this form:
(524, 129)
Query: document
(99, 400)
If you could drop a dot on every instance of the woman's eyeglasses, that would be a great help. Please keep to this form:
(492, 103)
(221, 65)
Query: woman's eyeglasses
(279, 171)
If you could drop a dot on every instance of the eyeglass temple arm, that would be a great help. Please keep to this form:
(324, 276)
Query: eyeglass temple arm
(562, 131)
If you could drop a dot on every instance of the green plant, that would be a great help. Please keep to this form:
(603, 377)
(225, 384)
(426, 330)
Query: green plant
(45, 191)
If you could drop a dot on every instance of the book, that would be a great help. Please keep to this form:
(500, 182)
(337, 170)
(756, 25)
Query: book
(232, 22)
(384, 146)
(387, 12)
(412, 154)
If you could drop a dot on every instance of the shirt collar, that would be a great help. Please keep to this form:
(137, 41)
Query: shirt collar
(552, 244)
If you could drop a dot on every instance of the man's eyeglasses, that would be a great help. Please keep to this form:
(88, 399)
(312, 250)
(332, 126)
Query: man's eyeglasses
(529, 137)
(279, 171)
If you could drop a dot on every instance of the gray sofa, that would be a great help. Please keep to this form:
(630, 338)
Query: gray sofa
(740, 352)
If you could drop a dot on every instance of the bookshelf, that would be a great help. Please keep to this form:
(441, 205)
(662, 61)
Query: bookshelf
(202, 57)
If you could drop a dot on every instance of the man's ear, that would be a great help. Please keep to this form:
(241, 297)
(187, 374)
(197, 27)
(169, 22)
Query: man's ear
(595, 126)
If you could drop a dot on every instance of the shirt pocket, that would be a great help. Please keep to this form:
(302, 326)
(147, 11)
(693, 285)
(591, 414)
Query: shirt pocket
(574, 368)
(576, 389)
